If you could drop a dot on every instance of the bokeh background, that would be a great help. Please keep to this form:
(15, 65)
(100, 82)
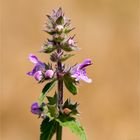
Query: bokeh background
(107, 32)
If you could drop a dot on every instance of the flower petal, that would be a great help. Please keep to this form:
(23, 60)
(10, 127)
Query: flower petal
(85, 63)
(35, 109)
(38, 75)
(33, 58)
(86, 79)
(49, 74)
(35, 69)
(79, 71)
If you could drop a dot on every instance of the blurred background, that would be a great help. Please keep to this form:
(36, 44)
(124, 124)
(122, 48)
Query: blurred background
(107, 32)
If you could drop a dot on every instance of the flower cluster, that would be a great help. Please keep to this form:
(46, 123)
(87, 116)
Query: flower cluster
(58, 46)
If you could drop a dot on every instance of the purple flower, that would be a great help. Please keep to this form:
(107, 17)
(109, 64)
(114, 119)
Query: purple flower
(35, 109)
(79, 72)
(38, 68)
(40, 71)
(49, 74)
(38, 75)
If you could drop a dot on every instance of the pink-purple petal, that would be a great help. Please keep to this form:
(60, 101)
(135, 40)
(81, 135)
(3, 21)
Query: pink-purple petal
(33, 58)
(38, 75)
(49, 74)
(86, 79)
(86, 63)
(35, 109)
(79, 72)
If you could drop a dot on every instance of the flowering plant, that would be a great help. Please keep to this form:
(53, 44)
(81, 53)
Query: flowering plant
(55, 112)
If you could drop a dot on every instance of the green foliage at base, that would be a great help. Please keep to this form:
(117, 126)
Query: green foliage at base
(48, 129)
(74, 126)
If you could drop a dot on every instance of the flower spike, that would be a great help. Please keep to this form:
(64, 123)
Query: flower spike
(55, 112)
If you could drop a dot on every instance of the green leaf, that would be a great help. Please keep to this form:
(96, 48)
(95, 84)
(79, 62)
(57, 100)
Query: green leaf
(66, 30)
(45, 90)
(75, 127)
(72, 106)
(69, 83)
(60, 20)
(50, 32)
(48, 49)
(47, 128)
(67, 48)
(53, 111)
(52, 100)
(52, 106)
(59, 39)
(66, 56)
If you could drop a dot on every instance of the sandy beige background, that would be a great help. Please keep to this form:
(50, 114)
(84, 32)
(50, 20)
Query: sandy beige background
(106, 31)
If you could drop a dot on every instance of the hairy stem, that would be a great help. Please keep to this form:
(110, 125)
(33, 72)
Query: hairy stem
(60, 96)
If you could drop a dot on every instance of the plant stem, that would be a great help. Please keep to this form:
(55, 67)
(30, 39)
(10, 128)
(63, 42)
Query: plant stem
(60, 96)
(59, 132)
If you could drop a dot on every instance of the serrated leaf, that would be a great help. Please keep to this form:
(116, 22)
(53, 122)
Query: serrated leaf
(71, 106)
(66, 56)
(74, 126)
(53, 111)
(70, 85)
(45, 90)
(52, 100)
(48, 129)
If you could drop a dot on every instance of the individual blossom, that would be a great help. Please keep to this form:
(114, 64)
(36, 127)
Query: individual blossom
(49, 74)
(38, 75)
(79, 71)
(36, 109)
(39, 71)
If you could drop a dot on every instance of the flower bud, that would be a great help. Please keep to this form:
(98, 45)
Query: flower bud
(35, 109)
(59, 28)
(71, 42)
(38, 75)
(49, 74)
